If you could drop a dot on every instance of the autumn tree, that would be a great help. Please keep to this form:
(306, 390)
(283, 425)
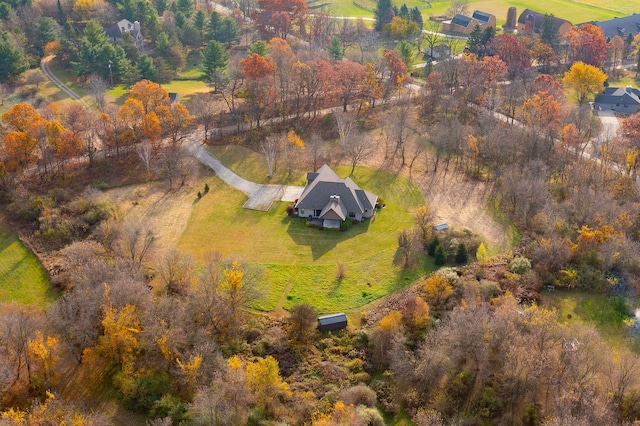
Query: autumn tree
(585, 80)
(349, 80)
(385, 333)
(279, 17)
(302, 323)
(512, 51)
(150, 95)
(268, 388)
(587, 44)
(258, 72)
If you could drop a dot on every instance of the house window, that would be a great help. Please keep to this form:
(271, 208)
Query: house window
(318, 212)
(301, 212)
(352, 214)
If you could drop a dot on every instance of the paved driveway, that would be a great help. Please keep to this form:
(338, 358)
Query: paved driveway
(261, 197)
(610, 123)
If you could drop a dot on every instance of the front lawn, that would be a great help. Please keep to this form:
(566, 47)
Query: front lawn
(300, 263)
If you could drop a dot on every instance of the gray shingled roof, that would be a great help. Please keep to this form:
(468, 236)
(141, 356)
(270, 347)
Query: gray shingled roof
(461, 20)
(619, 95)
(481, 17)
(334, 210)
(317, 194)
(620, 26)
(539, 19)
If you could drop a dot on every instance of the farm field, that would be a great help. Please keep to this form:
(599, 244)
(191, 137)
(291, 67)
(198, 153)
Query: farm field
(574, 11)
(300, 263)
(22, 278)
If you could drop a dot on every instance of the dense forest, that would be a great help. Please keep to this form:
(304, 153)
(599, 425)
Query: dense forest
(137, 332)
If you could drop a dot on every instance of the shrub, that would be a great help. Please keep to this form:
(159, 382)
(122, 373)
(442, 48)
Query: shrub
(346, 224)
(380, 203)
(341, 271)
(206, 188)
(290, 210)
(102, 186)
(359, 395)
(519, 265)
(199, 194)
(440, 255)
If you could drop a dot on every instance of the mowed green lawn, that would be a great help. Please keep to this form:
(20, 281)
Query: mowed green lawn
(300, 263)
(575, 11)
(22, 278)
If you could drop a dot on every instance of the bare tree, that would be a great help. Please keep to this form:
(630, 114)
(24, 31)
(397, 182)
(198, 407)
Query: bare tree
(358, 149)
(207, 108)
(347, 126)
(175, 270)
(271, 148)
(36, 77)
(98, 88)
(137, 240)
(315, 148)
(458, 7)
(431, 36)
(145, 152)
(17, 326)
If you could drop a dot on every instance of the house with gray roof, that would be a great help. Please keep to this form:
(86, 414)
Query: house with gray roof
(623, 27)
(620, 99)
(115, 33)
(332, 200)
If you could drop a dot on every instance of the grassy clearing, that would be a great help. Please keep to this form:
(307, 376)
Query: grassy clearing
(605, 313)
(305, 259)
(22, 278)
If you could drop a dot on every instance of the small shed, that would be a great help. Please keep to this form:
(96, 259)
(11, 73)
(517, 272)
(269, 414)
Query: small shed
(441, 227)
(332, 322)
(173, 98)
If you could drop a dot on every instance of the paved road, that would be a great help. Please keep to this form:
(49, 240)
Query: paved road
(44, 64)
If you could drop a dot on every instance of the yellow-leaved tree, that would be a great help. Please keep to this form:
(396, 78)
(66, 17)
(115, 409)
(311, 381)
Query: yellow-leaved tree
(585, 80)
(44, 354)
(268, 388)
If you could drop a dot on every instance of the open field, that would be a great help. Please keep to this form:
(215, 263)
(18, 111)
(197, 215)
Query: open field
(575, 11)
(22, 278)
(606, 314)
(299, 262)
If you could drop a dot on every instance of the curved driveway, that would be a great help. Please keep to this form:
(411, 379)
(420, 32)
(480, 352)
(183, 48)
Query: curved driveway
(44, 64)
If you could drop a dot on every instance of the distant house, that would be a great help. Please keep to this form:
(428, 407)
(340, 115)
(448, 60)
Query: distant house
(465, 24)
(620, 99)
(332, 200)
(530, 22)
(623, 27)
(115, 33)
(332, 322)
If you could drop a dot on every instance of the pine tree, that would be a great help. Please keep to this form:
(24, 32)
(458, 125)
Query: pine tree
(440, 256)
(416, 16)
(383, 14)
(431, 248)
(12, 61)
(62, 18)
(462, 254)
(146, 69)
(214, 61)
(549, 32)
(335, 49)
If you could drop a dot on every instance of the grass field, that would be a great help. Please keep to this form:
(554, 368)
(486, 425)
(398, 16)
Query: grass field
(22, 278)
(607, 314)
(300, 263)
(577, 11)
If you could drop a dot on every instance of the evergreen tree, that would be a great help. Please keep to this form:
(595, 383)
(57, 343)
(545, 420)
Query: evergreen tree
(12, 61)
(45, 33)
(181, 20)
(186, 7)
(404, 11)
(97, 55)
(431, 248)
(260, 47)
(416, 16)
(549, 32)
(440, 256)
(335, 49)
(214, 61)
(462, 254)
(213, 26)
(228, 33)
(160, 5)
(146, 69)
(5, 11)
(62, 18)
(474, 41)
(200, 20)
(383, 14)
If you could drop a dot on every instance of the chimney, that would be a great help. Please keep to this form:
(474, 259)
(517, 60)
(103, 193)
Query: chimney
(136, 26)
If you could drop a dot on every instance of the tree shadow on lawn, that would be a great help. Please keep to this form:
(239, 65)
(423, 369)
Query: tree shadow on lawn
(321, 242)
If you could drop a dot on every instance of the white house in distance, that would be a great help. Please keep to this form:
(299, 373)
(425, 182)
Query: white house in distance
(332, 200)
(115, 33)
